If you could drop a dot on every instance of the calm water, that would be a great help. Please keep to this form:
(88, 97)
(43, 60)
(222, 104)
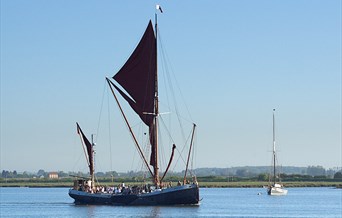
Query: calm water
(217, 202)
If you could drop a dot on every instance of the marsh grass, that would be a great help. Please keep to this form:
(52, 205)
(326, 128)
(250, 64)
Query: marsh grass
(68, 182)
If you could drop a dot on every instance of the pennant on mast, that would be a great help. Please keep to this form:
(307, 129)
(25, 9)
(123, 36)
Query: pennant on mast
(158, 7)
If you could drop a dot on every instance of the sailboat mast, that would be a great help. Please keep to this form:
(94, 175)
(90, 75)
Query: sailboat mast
(274, 152)
(156, 112)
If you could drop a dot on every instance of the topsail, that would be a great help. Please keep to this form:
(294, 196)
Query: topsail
(138, 75)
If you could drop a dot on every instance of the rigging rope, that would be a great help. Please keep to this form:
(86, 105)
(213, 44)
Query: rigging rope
(182, 151)
(109, 132)
(100, 115)
(105, 91)
(193, 154)
(167, 59)
(169, 86)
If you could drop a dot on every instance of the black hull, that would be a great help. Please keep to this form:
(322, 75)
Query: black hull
(179, 195)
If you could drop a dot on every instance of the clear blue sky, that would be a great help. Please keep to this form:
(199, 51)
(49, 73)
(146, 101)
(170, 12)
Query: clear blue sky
(235, 61)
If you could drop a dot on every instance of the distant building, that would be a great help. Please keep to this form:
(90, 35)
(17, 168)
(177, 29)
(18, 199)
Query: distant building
(53, 175)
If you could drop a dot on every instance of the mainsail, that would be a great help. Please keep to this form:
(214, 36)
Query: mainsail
(89, 149)
(138, 78)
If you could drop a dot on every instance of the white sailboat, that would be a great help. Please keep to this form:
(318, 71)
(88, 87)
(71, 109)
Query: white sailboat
(275, 188)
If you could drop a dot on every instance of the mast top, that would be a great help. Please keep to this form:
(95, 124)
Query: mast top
(158, 7)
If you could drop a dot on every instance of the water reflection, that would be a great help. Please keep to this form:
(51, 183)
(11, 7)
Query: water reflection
(162, 211)
(155, 212)
(86, 210)
(217, 202)
(90, 211)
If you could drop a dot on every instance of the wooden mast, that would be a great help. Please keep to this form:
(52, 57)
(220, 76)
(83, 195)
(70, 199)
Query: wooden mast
(156, 112)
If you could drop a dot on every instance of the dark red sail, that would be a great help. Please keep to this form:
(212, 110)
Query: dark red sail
(138, 78)
(89, 148)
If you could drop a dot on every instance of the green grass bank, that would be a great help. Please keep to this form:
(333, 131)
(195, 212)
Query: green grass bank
(203, 182)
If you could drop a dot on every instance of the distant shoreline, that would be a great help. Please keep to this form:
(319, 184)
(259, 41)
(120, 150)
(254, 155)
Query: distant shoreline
(202, 184)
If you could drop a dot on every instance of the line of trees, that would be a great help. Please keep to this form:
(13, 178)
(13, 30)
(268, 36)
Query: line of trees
(253, 171)
(257, 173)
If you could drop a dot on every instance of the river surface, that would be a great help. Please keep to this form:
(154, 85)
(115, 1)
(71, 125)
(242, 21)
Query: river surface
(216, 202)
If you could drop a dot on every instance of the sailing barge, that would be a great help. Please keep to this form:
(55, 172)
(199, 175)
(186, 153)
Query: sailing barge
(139, 81)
